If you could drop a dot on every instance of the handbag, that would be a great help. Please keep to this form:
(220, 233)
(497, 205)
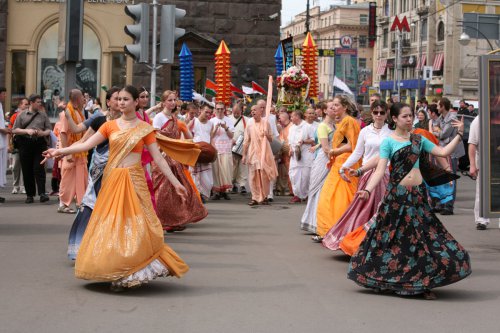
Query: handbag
(433, 174)
(16, 138)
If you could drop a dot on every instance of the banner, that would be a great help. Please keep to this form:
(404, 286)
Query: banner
(346, 68)
(372, 23)
(288, 56)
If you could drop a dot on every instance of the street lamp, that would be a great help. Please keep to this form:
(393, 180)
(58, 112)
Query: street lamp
(464, 39)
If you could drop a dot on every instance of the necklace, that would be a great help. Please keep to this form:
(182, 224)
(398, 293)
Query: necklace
(379, 128)
(403, 136)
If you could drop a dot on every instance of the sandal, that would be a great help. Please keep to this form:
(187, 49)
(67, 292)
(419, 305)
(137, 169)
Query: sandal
(66, 210)
(265, 201)
(317, 239)
(253, 203)
(430, 296)
(172, 229)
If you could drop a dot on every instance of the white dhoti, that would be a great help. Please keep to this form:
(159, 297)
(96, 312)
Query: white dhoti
(4, 157)
(223, 172)
(300, 177)
(203, 178)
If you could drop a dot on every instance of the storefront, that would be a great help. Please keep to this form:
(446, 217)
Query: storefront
(32, 49)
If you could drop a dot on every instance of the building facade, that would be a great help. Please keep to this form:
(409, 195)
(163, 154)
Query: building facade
(341, 30)
(30, 33)
(432, 62)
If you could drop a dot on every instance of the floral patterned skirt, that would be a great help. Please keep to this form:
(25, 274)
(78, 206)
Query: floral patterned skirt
(407, 250)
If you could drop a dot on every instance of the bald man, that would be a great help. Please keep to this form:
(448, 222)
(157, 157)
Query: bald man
(73, 167)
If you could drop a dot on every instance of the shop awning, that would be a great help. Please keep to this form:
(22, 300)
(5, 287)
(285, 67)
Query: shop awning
(382, 65)
(438, 62)
(405, 84)
(421, 62)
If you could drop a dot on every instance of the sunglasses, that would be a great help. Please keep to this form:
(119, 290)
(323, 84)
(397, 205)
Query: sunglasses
(219, 109)
(378, 113)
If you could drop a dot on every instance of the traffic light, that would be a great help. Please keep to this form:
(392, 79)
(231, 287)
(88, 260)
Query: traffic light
(169, 32)
(139, 32)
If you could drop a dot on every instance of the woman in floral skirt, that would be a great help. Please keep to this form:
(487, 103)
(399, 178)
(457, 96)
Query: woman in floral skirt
(407, 250)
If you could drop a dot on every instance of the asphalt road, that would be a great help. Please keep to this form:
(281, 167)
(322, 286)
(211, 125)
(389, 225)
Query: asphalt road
(252, 270)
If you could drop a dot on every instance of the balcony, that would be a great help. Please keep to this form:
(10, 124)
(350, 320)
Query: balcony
(382, 20)
(405, 43)
(423, 10)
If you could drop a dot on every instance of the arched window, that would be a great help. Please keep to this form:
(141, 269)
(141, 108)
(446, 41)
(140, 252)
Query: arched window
(50, 76)
(440, 32)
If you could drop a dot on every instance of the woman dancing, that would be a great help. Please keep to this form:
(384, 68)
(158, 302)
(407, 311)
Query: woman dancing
(173, 211)
(123, 242)
(337, 194)
(319, 169)
(407, 250)
(360, 211)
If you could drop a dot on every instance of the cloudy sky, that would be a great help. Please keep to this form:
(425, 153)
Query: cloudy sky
(290, 8)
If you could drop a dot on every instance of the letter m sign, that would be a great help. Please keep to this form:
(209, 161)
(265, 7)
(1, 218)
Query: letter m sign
(400, 25)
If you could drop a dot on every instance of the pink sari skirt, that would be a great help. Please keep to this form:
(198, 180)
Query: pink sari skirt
(358, 213)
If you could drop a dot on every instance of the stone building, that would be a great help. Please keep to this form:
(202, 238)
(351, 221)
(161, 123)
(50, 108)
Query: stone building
(331, 28)
(29, 41)
(433, 41)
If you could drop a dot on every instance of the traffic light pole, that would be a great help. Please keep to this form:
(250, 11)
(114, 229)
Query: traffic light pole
(152, 94)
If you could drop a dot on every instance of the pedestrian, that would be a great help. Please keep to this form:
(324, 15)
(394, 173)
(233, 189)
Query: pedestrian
(283, 184)
(222, 135)
(319, 169)
(446, 135)
(367, 150)
(16, 161)
(96, 170)
(337, 194)
(32, 129)
(74, 171)
(123, 243)
(300, 140)
(174, 211)
(407, 250)
(4, 142)
(240, 171)
(202, 172)
(258, 156)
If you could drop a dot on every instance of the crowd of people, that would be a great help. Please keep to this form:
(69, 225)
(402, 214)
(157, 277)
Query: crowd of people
(371, 182)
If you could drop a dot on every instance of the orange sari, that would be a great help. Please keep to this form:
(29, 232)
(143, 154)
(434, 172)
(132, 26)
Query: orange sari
(124, 234)
(337, 194)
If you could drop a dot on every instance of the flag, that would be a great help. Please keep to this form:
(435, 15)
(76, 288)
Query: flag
(235, 89)
(258, 88)
(341, 85)
(210, 88)
(248, 90)
(197, 97)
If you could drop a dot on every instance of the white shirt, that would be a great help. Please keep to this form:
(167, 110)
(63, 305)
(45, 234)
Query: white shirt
(160, 119)
(274, 126)
(201, 131)
(3, 137)
(474, 136)
(240, 128)
(297, 133)
(368, 144)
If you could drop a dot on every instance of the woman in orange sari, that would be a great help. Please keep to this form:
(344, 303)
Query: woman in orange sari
(123, 242)
(337, 194)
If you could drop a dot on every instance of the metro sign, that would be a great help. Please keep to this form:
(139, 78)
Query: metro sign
(400, 25)
(346, 41)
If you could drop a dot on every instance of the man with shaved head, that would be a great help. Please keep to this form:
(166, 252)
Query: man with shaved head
(73, 167)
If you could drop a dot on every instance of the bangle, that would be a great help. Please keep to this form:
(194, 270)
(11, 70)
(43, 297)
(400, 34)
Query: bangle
(369, 193)
(359, 172)
(341, 171)
(460, 134)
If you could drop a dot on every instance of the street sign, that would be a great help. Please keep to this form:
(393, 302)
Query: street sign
(346, 41)
(400, 25)
(321, 52)
(427, 73)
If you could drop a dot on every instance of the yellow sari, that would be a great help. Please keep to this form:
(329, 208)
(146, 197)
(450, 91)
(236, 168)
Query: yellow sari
(336, 194)
(124, 235)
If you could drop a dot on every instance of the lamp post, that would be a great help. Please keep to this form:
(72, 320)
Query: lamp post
(464, 39)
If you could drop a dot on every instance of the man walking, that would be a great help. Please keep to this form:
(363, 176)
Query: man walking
(240, 171)
(16, 161)
(4, 142)
(33, 128)
(222, 135)
(448, 133)
(74, 172)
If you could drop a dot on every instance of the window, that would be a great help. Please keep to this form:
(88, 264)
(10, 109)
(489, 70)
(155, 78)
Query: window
(385, 38)
(386, 8)
(488, 25)
(362, 62)
(118, 69)
(424, 30)
(18, 78)
(363, 19)
(363, 41)
(440, 32)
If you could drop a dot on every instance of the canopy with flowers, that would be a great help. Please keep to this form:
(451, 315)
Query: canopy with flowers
(293, 87)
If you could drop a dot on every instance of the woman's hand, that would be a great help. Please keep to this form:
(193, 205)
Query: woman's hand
(459, 125)
(363, 195)
(181, 191)
(332, 152)
(345, 177)
(50, 153)
(313, 149)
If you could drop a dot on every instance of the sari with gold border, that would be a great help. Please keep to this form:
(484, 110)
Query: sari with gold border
(124, 234)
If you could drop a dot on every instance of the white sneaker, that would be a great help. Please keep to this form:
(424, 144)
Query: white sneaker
(23, 191)
(15, 190)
